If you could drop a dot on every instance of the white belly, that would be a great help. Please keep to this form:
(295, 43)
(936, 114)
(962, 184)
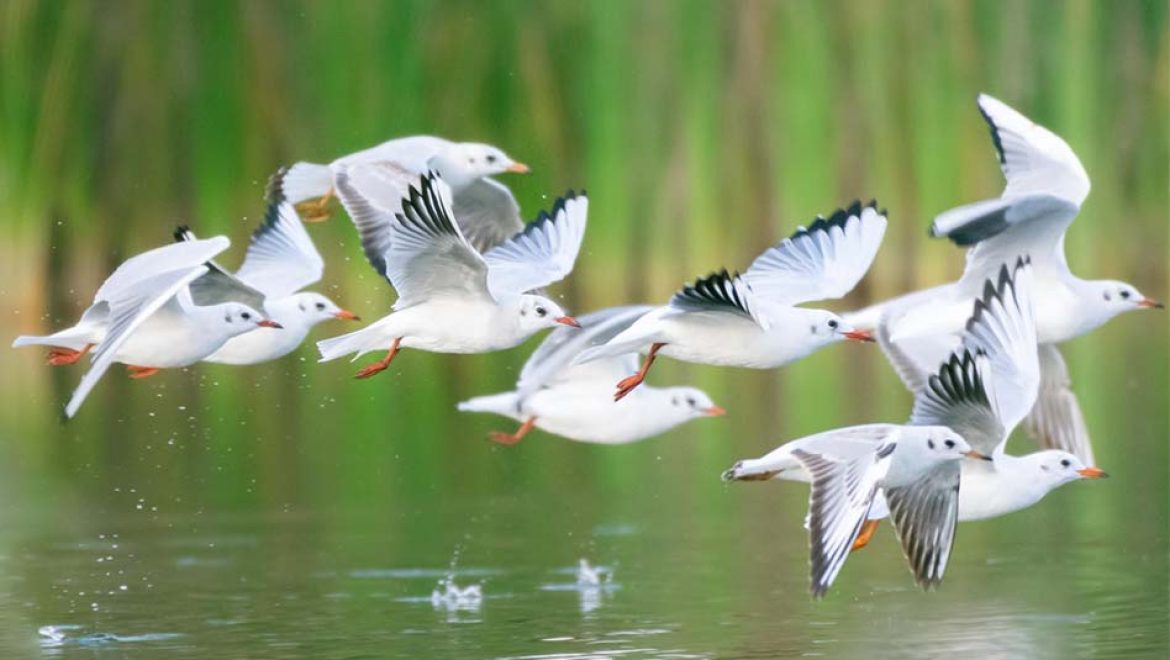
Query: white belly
(728, 340)
(589, 414)
(260, 345)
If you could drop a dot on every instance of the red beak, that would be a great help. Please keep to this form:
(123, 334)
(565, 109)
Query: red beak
(347, 315)
(977, 456)
(269, 323)
(714, 411)
(1093, 473)
(569, 321)
(1150, 303)
(517, 168)
(858, 335)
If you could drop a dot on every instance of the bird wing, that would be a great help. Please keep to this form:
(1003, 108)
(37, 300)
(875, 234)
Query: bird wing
(428, 255)
(718, 292)
(552, 361)
(128, 310)
(1056, 421)
(372, 193)
(823, 261)
(487, 213)
(219, 285)
(925, 513)
(956, 396)
(843, 488)
(175, 256)
(281, 258)
(543, 253)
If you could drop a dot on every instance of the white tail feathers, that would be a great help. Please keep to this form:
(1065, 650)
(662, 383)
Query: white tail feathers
(504, 403)
(358, 342)
(304, 181)
(71, 338)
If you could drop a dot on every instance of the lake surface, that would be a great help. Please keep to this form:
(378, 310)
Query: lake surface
(174, 521)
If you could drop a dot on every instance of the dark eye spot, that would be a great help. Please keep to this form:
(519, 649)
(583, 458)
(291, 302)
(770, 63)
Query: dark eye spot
(950, 444)
(1125, 294)
(833, 324)
(1107, 296)
(674, 401)
(930, 443)
(1066, 462)
(812, 329)
(691, 402)
(302, 306)
(541, 312)
(245, 316)
(491, 159)
(321, 306)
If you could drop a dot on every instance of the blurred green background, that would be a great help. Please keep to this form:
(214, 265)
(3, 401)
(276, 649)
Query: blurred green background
(704, 131)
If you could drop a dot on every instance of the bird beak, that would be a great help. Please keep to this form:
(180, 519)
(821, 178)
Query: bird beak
(976, 455)
(1093, 473)
(569, 321)
(1149, 303)
(347, 315)
(269, 323)
(714, 411)
(517, 168)
(858, 335)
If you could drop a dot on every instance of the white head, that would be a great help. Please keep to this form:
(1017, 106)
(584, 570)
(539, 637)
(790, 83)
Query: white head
(1108, 298)
(537, 313)
(686, 403)
(1054, 468)
(308, 309)
(233, 319)
(921, 448)
(827, 327)
(464, 162)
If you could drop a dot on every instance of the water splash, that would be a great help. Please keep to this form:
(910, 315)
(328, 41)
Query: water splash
(451, 597)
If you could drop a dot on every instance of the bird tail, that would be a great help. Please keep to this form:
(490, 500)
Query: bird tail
(504, 403)
(300, 182)
(358, 342)
(72, 338)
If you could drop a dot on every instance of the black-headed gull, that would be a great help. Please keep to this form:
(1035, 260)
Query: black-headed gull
(485, 209)
(143, 316)
(452, 299)
(280, 261)
(575, 401)
(1046, 185)
(752, 320)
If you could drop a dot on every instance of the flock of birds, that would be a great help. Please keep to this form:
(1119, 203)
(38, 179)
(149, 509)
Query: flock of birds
(980, 355)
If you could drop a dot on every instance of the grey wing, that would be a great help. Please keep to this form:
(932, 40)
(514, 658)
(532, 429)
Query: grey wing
(487, 213)
(281, 258)
(924, 514)
(372, 193)
(842, 492)
(543, 253)
(1056, 421)
(718, 292)
(557, 352)
(913, 360)
(957, 397)
(128, 310)
(218, 285)
(184, 253)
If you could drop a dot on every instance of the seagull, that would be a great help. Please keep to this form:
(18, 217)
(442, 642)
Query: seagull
(144, 316)
(1046, 185)
(485, 208)
(752, 320)
(280, 261)
(452, 299)
(574, 401)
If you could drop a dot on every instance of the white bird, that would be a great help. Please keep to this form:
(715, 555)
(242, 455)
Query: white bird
(575, 401)
(280, 261)
(752, 321)
(484, 208)
(144, 316)
(1046, 185)
(452, 299)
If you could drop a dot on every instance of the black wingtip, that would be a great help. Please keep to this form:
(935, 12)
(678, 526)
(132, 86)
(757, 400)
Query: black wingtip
(993, 129)
(274, 189)
(183, 233)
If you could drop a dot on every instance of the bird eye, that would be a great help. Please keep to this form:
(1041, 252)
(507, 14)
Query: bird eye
(541, 312)
(950, 444)
(1125, 294)
(321, 306)
(691, 401)
(491, 158)
(1066, 462)
(245, 316)
(1108, 297)
(833, 324)
(674, 401)
(930, 443)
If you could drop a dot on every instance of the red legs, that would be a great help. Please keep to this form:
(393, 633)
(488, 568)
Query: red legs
(380, 365)
(863, 538)
(316, 211)
(138, 373)
(59, 357)
(627, 385)
(506, 439)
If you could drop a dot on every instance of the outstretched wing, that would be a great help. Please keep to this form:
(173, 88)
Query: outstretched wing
(957, 397)
(487, 213)
(823, 261)
(281, 258)
(924, 514)
(553, 359)
(718, 292)
(543, 253)
(128, 310)
(165, 259)
(1056, 421)
(372, 193)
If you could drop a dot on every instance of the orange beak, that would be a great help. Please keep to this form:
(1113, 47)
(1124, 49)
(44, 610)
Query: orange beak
(1150, 303)
(858, 335)
(977, 456)
(714, 411)
(1093, 473)
(517, 168)
(269, 323)
(569, 321)
(347, 315)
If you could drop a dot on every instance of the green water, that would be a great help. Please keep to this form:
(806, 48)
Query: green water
(286, 510)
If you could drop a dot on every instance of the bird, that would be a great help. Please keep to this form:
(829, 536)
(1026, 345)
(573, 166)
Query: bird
(144, 316)
(574, 401)
(1046, 186)
(280, 261)
(752, 320)
(485, 209)
(452, 299)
